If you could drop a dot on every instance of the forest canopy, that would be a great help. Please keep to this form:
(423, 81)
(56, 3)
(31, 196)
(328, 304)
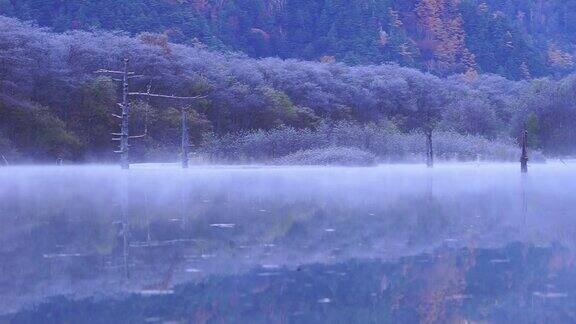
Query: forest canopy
(517, 39)
(53, 105)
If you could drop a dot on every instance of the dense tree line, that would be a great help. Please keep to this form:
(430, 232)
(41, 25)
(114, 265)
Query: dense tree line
(52, 104)
(514, 38)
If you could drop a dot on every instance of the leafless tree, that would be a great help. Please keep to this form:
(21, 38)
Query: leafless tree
(185, 137)
(524, 157)
(124, 136)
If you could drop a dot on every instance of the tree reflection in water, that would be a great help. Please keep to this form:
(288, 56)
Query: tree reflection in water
(384, 244)
(518, 283)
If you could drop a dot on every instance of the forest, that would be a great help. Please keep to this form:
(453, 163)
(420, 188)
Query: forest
(512, 38)
(53, 105)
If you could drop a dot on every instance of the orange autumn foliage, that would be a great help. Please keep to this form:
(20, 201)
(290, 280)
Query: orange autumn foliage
(443, 26)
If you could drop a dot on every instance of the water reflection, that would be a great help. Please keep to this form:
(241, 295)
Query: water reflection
(518, 283)
(393, 243)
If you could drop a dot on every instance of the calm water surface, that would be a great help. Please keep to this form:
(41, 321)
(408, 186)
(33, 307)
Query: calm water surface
(395, 243)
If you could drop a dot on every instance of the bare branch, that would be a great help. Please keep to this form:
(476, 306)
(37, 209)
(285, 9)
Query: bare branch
(16, 59)
(108, 71)
(112, 72)
(164, 96)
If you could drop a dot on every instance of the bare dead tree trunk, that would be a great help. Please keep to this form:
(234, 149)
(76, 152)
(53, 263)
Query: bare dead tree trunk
(125, 125)
(124, 135)
(4, 160)
(524, 157)
(185, 139)
(429, 149)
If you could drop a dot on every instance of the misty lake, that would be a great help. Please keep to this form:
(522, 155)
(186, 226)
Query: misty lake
(392, 243)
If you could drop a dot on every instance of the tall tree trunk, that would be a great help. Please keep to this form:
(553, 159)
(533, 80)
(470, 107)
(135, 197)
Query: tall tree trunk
(124, 145)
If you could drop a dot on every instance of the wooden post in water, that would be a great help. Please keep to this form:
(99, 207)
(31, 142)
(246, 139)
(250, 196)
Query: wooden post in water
(524, 157)
(429, 150)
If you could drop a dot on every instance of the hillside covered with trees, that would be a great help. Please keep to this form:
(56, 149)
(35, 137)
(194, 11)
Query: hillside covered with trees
(53, 105)
(514, 38)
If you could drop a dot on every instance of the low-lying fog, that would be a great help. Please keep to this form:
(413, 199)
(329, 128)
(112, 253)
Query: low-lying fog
(62, 229)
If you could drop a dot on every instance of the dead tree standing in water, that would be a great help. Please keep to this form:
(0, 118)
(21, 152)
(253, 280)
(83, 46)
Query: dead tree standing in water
(524, 169)
(429, 149)
(428, 117)
(124, 136)
(185, 137)
(524, 157)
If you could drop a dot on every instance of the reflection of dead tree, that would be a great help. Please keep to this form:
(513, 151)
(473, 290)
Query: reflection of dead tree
(125, 227)
(147, 217)
(166, 280)
(524, 189)
(4, 160)
(124, 137)
(184, 204)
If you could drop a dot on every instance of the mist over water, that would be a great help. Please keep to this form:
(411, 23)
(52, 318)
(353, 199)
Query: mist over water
(62, 230)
